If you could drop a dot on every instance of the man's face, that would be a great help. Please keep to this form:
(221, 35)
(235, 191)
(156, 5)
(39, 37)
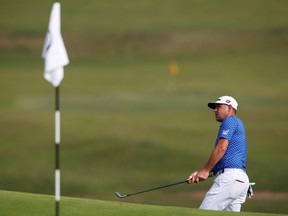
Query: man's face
(221, 112)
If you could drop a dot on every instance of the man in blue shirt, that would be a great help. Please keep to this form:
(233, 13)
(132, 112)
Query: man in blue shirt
(227, 161)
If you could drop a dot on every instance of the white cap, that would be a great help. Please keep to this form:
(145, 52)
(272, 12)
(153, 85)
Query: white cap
(227, 100)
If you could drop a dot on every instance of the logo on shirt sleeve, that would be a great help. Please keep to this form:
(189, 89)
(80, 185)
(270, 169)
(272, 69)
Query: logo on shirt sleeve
(225, 132)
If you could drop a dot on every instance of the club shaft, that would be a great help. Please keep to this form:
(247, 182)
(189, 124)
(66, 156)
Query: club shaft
(156, 188)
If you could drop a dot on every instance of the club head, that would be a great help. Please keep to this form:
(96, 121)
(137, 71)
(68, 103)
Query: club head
(120, 195)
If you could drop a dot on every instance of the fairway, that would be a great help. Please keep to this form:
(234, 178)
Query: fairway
(35, 204)
(127, 122)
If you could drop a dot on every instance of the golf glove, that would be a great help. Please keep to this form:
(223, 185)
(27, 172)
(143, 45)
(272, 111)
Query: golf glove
(250, 190)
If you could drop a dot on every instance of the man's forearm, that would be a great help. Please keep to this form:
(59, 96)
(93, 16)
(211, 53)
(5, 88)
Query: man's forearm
(216, 155)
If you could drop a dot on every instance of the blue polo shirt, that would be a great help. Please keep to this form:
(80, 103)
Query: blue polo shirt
(232, 129)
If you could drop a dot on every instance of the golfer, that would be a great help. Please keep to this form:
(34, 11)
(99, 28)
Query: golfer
(227, 161)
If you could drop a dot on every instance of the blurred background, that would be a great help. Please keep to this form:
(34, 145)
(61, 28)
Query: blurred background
(134, 97)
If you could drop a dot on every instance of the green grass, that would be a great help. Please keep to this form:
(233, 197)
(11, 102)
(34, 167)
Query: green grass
(35, 204)
(127, 124)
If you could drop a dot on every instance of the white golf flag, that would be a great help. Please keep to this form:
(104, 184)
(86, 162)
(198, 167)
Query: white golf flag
(54, 51)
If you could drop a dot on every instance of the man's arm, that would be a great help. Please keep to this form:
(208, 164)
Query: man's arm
(217, 153)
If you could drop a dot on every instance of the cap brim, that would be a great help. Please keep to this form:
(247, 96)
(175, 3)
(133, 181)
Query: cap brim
(212, 105)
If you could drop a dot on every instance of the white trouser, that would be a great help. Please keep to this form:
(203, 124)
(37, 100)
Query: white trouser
(228, 191)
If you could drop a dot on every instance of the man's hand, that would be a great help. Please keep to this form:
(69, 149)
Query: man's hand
(193, 178)
(198, 176)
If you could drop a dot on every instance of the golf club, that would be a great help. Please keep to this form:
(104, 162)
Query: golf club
(119, 195)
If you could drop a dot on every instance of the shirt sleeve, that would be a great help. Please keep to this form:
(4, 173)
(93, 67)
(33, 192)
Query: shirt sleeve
(227, 128)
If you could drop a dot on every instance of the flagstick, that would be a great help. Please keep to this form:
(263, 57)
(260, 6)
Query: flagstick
(57, 151)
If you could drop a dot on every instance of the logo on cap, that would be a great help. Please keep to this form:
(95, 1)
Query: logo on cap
(228, 101)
